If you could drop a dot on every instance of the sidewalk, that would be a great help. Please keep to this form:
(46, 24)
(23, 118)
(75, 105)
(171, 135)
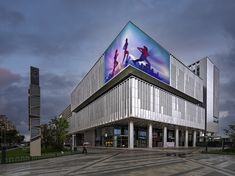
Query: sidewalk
(155, 149)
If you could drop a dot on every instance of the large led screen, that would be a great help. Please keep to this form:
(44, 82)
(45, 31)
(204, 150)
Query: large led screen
(133, 47)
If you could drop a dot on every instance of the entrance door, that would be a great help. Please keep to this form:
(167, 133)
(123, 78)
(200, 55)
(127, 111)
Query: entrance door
(122, 141)
(157, 137)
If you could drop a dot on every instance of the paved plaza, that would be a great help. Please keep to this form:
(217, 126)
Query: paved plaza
(99, 162)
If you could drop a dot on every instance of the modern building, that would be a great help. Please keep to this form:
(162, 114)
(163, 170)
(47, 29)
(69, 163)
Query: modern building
(138, 95)
(208, 71)
(66, 113)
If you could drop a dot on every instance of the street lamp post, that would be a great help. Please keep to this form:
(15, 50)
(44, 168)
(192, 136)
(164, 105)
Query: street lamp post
(206, 137)
(3, 138)
(1, 135)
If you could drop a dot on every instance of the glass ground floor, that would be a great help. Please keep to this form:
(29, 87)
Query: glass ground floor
(138, 136)
(118, 136)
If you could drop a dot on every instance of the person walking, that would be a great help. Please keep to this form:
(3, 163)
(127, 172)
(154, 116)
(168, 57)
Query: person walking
(84, 149)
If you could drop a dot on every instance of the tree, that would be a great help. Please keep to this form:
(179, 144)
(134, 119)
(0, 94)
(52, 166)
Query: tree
(46, 136)
(20, 139)
(11, 137)
(231, 133)
(54, 134)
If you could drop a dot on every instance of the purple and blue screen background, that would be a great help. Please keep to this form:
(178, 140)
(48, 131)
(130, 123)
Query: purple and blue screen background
(158, 57)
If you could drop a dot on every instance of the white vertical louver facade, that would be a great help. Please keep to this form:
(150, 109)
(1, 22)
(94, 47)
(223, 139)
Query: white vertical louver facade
(183, 79)
(136, 98)
(91, 83)
(112, 106)
(152, 103)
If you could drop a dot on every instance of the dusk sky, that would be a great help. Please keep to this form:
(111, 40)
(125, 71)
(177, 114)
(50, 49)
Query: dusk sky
(64, 38)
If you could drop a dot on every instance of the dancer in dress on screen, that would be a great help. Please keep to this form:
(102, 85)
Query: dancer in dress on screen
(144, 55)
(115, 63)
(126, 52)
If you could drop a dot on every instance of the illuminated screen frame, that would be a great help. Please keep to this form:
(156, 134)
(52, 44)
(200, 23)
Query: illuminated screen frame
(133, 47)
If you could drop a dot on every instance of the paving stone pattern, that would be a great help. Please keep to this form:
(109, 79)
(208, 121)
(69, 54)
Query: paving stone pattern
(151, 162)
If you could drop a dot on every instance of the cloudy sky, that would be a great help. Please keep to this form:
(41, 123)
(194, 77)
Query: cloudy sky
(65, 38)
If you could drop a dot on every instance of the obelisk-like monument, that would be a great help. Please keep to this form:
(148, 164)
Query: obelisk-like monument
(34, 112)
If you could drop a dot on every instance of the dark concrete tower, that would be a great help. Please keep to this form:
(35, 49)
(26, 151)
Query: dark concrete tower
(34, 113)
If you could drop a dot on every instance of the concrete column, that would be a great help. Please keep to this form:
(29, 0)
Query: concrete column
(201, 136)
(73, 141)
(176, 137)
(150, 135)
(164, 136)
(131, 134)
(186, 139)
(194, 138)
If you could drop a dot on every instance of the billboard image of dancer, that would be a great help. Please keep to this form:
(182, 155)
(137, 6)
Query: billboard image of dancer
(126, 52)
(144, 55)
(140, 51)
(115, 62)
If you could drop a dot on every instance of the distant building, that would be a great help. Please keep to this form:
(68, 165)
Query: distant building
(209, 73)
(6, 124)
(66, 113)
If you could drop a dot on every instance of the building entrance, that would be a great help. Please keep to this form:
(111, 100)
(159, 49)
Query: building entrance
(157, 137)
(140, 136)
(122, 141)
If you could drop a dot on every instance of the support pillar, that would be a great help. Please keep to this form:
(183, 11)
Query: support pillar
(201, 136)
(131, 134)
(194, 138)
(164, 136)
(176, 137)
(186, 139)
(150, 136)
(73, 141)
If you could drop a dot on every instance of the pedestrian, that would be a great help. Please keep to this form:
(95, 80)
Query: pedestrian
(84, 150)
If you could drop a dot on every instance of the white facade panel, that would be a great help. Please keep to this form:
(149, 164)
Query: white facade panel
(207, 70)
(141, 100)
(103, 110)
(92, 82)
(216, 92)
(183, 79)
(187, 113)
(211, 125)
